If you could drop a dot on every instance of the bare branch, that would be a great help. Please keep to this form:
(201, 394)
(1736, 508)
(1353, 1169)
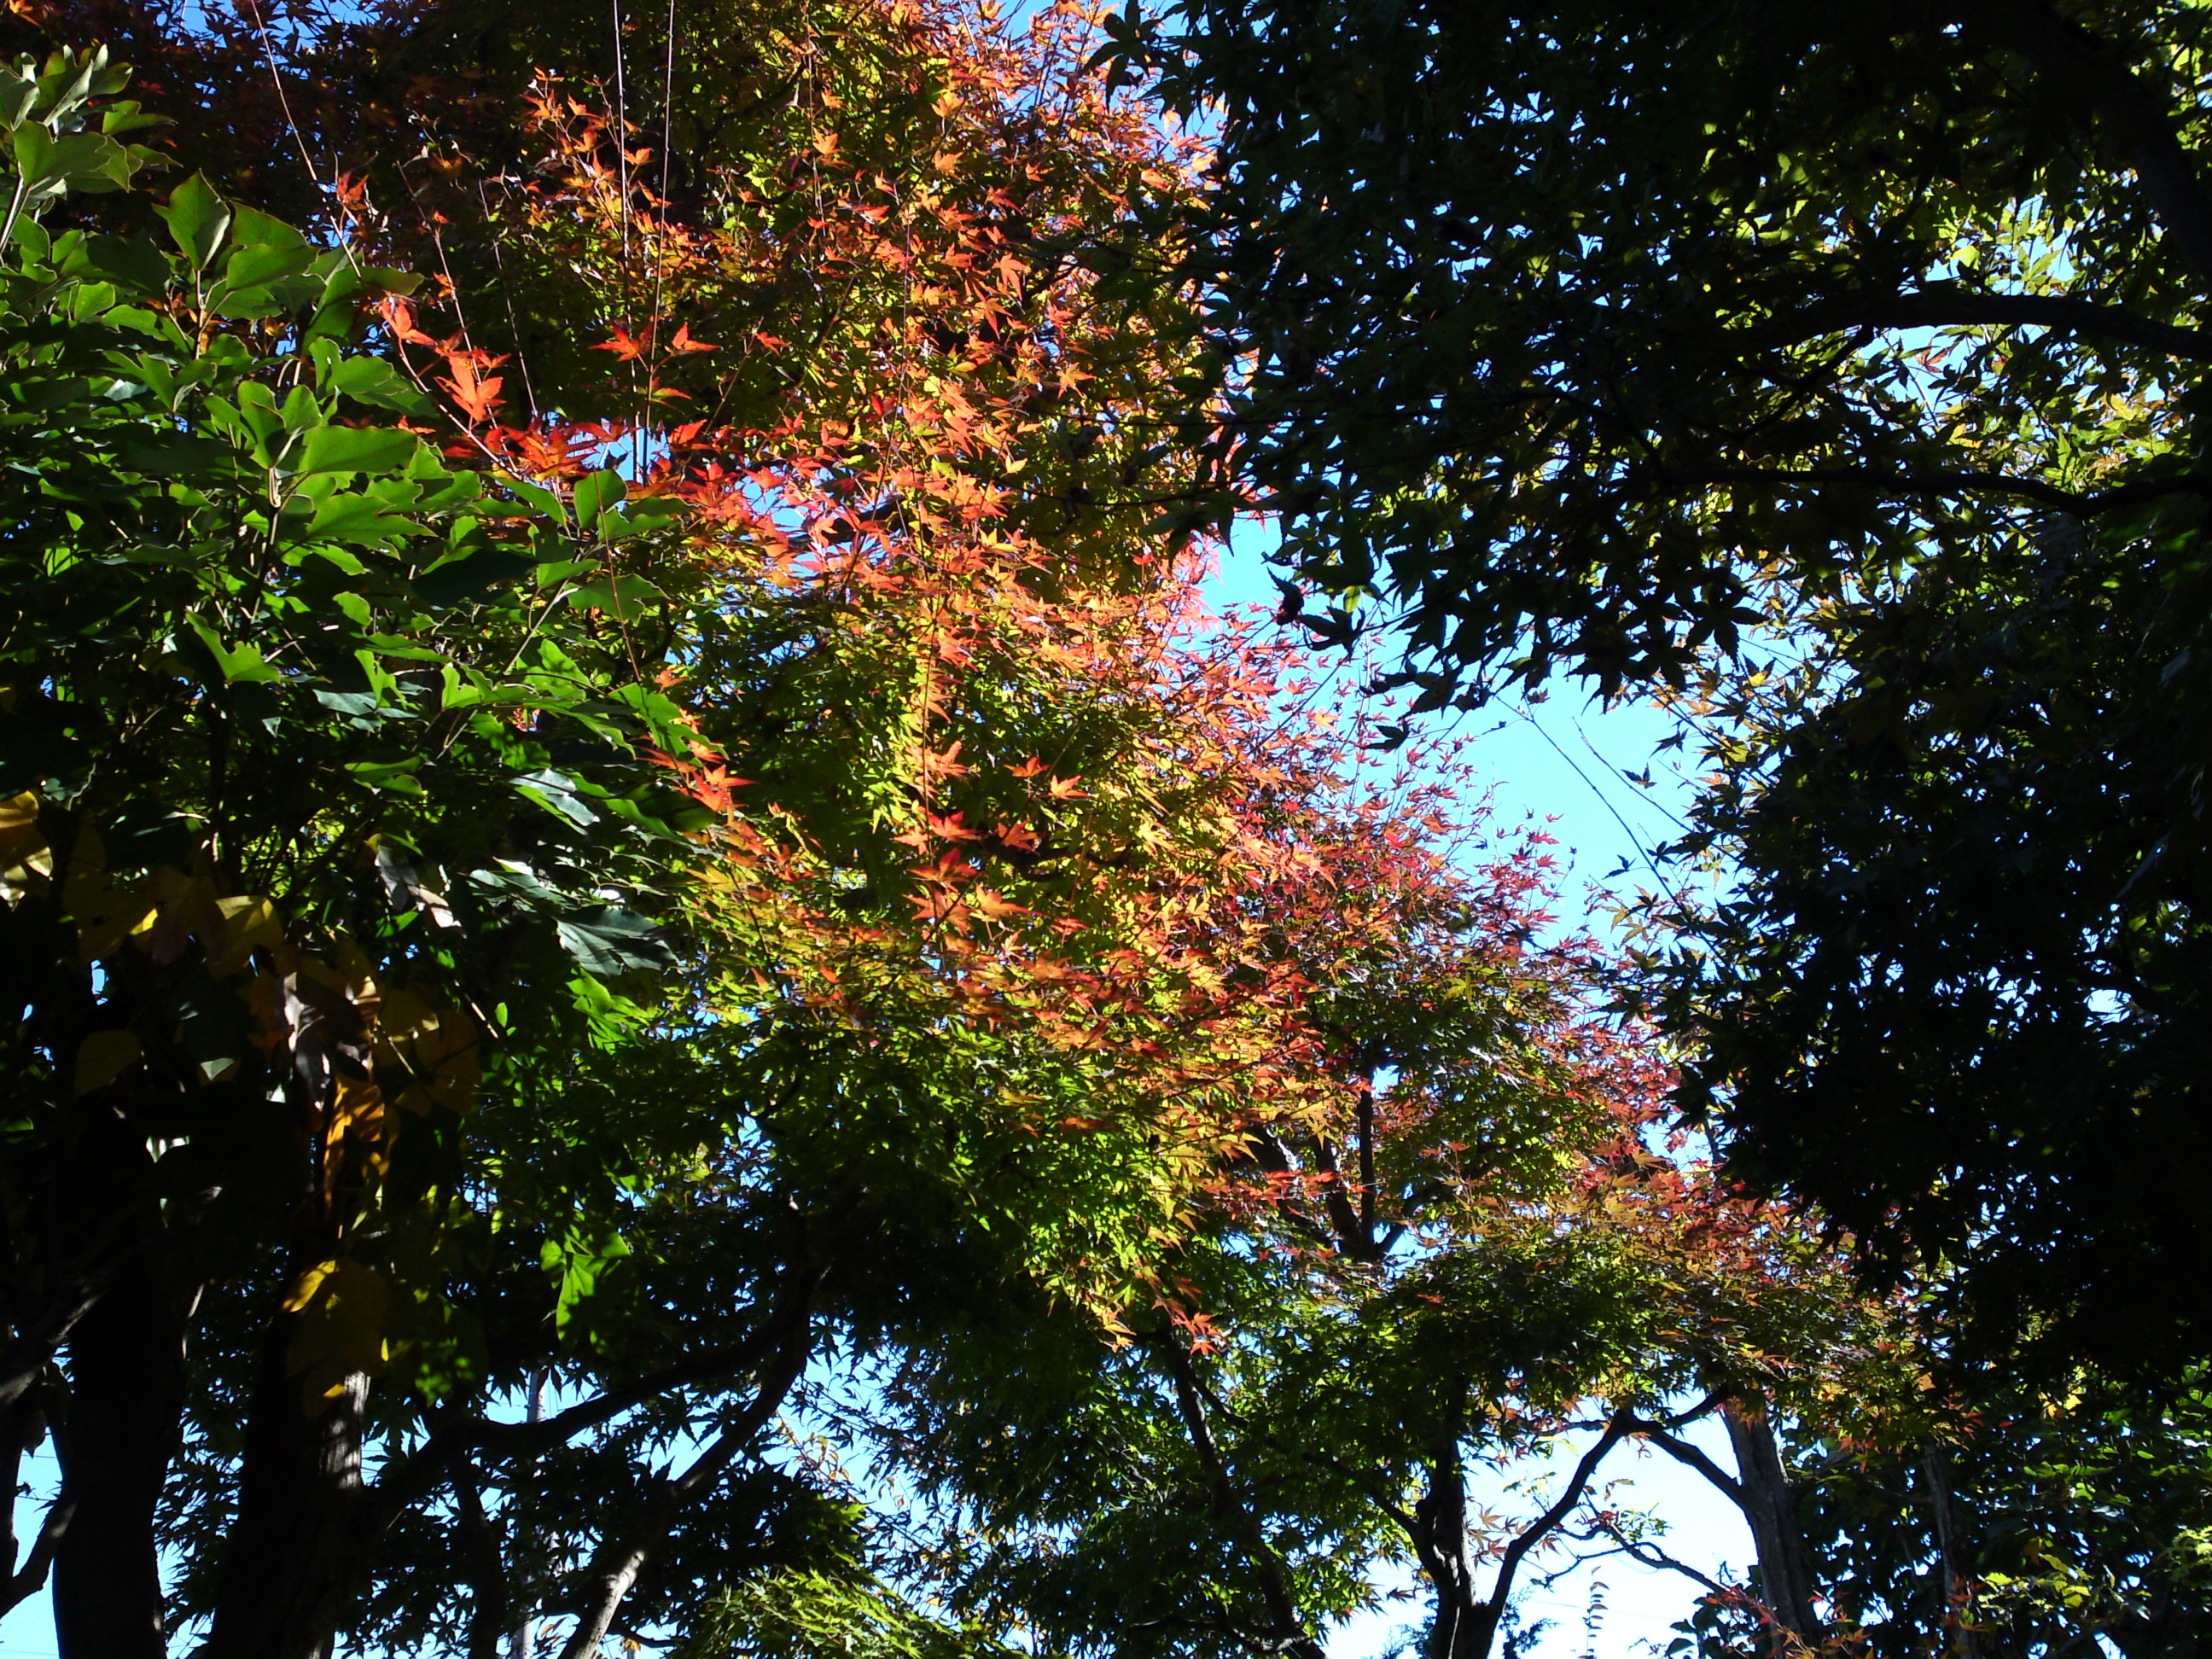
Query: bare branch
(32, 1577)
(1501, 1589)
(1683, 1452)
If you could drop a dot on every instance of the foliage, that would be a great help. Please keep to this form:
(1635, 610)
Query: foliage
(680, 849)
(2039, 1527)
(1833, 373)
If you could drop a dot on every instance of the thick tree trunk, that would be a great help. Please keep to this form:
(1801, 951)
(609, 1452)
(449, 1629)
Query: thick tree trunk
(1463, 1625)
(1785, 1570)
(126, 1374)
(293, 1555)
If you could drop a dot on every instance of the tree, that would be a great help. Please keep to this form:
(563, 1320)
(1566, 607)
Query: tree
(1689, 347)
(481, 912)
(1475, 1256)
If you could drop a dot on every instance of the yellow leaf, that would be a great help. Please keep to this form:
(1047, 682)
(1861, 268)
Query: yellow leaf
(309, 1282)
(247, 924)
(103, 1057)
(23, 850)
(104, 914)
(341, 1306)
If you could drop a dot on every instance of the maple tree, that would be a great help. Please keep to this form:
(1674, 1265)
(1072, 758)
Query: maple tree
(533, 915)
(652, 819)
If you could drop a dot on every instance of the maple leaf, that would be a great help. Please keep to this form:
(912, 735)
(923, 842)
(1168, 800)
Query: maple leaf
(476, 396)
(996, 908)
(624, 345)
(684, 342)
(398, 316)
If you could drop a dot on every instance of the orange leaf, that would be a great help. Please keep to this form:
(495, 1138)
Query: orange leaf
(478, 397)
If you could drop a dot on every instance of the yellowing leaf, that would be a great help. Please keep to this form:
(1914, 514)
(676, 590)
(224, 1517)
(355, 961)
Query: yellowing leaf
(103, 1057)
(26, 860)
(247, 924)
(341, 1306)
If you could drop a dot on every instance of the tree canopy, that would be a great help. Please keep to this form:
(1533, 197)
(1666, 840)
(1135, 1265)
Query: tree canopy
(1833, 376)
(669, 983)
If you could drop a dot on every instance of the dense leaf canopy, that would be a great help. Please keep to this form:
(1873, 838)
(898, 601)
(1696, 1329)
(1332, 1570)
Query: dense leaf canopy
(1833, 375)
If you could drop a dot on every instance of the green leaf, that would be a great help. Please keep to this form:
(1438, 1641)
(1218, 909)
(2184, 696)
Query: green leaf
(623, 596)
(610, 943)
(176, 454)
(596, 492)
(252, 228)
(358, 449)
(578, 1258)
(242, 662)
(129, 262)
(557, 795)
(35, 153)
(91, 162)
(373, 380)
(469, 575)
(198, 219)
(359, 519)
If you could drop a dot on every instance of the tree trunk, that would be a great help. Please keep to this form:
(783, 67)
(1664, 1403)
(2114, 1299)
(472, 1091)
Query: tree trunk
(292, 1556)
(1950, 1542)
(126, 1374)
(1459, 1629)
(1784, 1570)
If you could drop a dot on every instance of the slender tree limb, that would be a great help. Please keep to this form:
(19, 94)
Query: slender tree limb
(1493, 1610)
(31, 1577)
(1684, 1453)
(411, 1477)
(614, 1568)
(27, 1356)
(1949, 306)
(1290, 1634)
(2085, 504)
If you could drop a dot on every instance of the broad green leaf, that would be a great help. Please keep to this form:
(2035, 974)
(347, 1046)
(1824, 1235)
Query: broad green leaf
(610, 943)
(130, 263)
(596, 492)
(358, 449)
(557, 795)
(359, 519)
(623, 596)
(197, 219)
(240, 662)
(373, 380)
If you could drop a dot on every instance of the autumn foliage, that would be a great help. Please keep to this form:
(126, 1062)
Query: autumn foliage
(733, 864)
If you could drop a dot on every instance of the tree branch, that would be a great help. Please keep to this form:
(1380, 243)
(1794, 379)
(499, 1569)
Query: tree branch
(1290, 1634)
(615, 1566)
(2084, 505)
(2078, 66)
(409, 1478)
(32, 1578)
(1502, 1588)
(1683, 1452)
(1652, 1556)
(1949, 306)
